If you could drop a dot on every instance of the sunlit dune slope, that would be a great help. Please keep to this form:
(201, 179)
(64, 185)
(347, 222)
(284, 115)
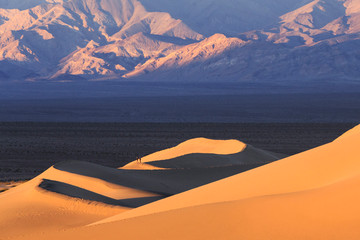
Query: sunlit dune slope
(205, 153)
(352, 133)
(198, 145)
(80, 193)
(28, 208)
(330, 212)
(312, 195)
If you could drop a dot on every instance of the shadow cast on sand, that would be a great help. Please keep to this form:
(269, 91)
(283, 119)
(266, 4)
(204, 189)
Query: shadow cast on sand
(76, 192)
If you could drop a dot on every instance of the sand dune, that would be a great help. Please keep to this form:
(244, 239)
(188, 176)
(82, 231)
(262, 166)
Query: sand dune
(312, 169)
(80, 193)
(330, 212)
(198, 145)
(205, 153)
(352, 133)
(4, 186)
(29, 209)
(312, 195)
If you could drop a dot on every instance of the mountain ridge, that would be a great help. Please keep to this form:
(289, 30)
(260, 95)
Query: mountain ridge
(137, 39)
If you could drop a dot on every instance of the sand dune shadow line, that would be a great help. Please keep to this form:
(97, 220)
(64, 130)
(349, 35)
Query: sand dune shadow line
(76, 192)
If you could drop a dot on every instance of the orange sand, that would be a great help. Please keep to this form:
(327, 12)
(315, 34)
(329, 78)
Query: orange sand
(312, 195)
(196, 145)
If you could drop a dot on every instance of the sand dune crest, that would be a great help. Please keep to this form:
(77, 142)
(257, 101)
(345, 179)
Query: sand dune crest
(85, 193)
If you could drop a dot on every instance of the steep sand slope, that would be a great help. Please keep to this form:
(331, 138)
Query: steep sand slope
(29, 209)
(313, 195)
(312, 169)
(352, 133)
(74, 194)
(330, 212)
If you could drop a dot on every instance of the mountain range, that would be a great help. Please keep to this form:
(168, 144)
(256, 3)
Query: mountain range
(180, 41)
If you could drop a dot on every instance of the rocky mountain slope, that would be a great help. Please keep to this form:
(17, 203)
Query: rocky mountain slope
(208, 40)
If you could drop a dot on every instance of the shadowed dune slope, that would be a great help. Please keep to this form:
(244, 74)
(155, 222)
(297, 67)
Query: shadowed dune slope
(312, 195)
(83, 193)
(330, 212)
(248, 156)
(205, 153)
(29, 209)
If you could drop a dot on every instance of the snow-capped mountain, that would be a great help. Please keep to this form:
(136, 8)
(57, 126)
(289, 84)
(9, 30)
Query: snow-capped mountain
(185, 40)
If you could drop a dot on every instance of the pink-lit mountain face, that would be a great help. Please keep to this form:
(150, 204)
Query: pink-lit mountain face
(185, 40)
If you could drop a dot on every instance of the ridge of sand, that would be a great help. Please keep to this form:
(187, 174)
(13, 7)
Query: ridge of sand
(311, 195)
(203, 153)
(28, 209)
(80, 193)
(354, 131)
(96, 185)
(197, 145)
(249, 156)
(312, 169)
(330, 212)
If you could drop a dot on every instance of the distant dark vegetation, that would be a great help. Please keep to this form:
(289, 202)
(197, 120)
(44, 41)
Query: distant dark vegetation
(27, 149)
(126, 101)
(261, 107)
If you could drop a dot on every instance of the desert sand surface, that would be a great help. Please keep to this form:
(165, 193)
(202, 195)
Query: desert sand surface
(311, 195)
(4, 186)
(204, 153)
(313, 169)
(75, 194)
(198, 145)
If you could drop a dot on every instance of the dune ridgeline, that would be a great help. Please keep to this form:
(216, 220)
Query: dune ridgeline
(200, 189)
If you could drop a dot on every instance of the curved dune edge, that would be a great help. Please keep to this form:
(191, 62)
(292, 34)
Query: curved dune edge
(311, 195)
(82, 193)
(28, 209)
(96, 185)
(141, 166)
(248, 156)
(197, 145)
(330, 212)
(312, 169)
(354, 131)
